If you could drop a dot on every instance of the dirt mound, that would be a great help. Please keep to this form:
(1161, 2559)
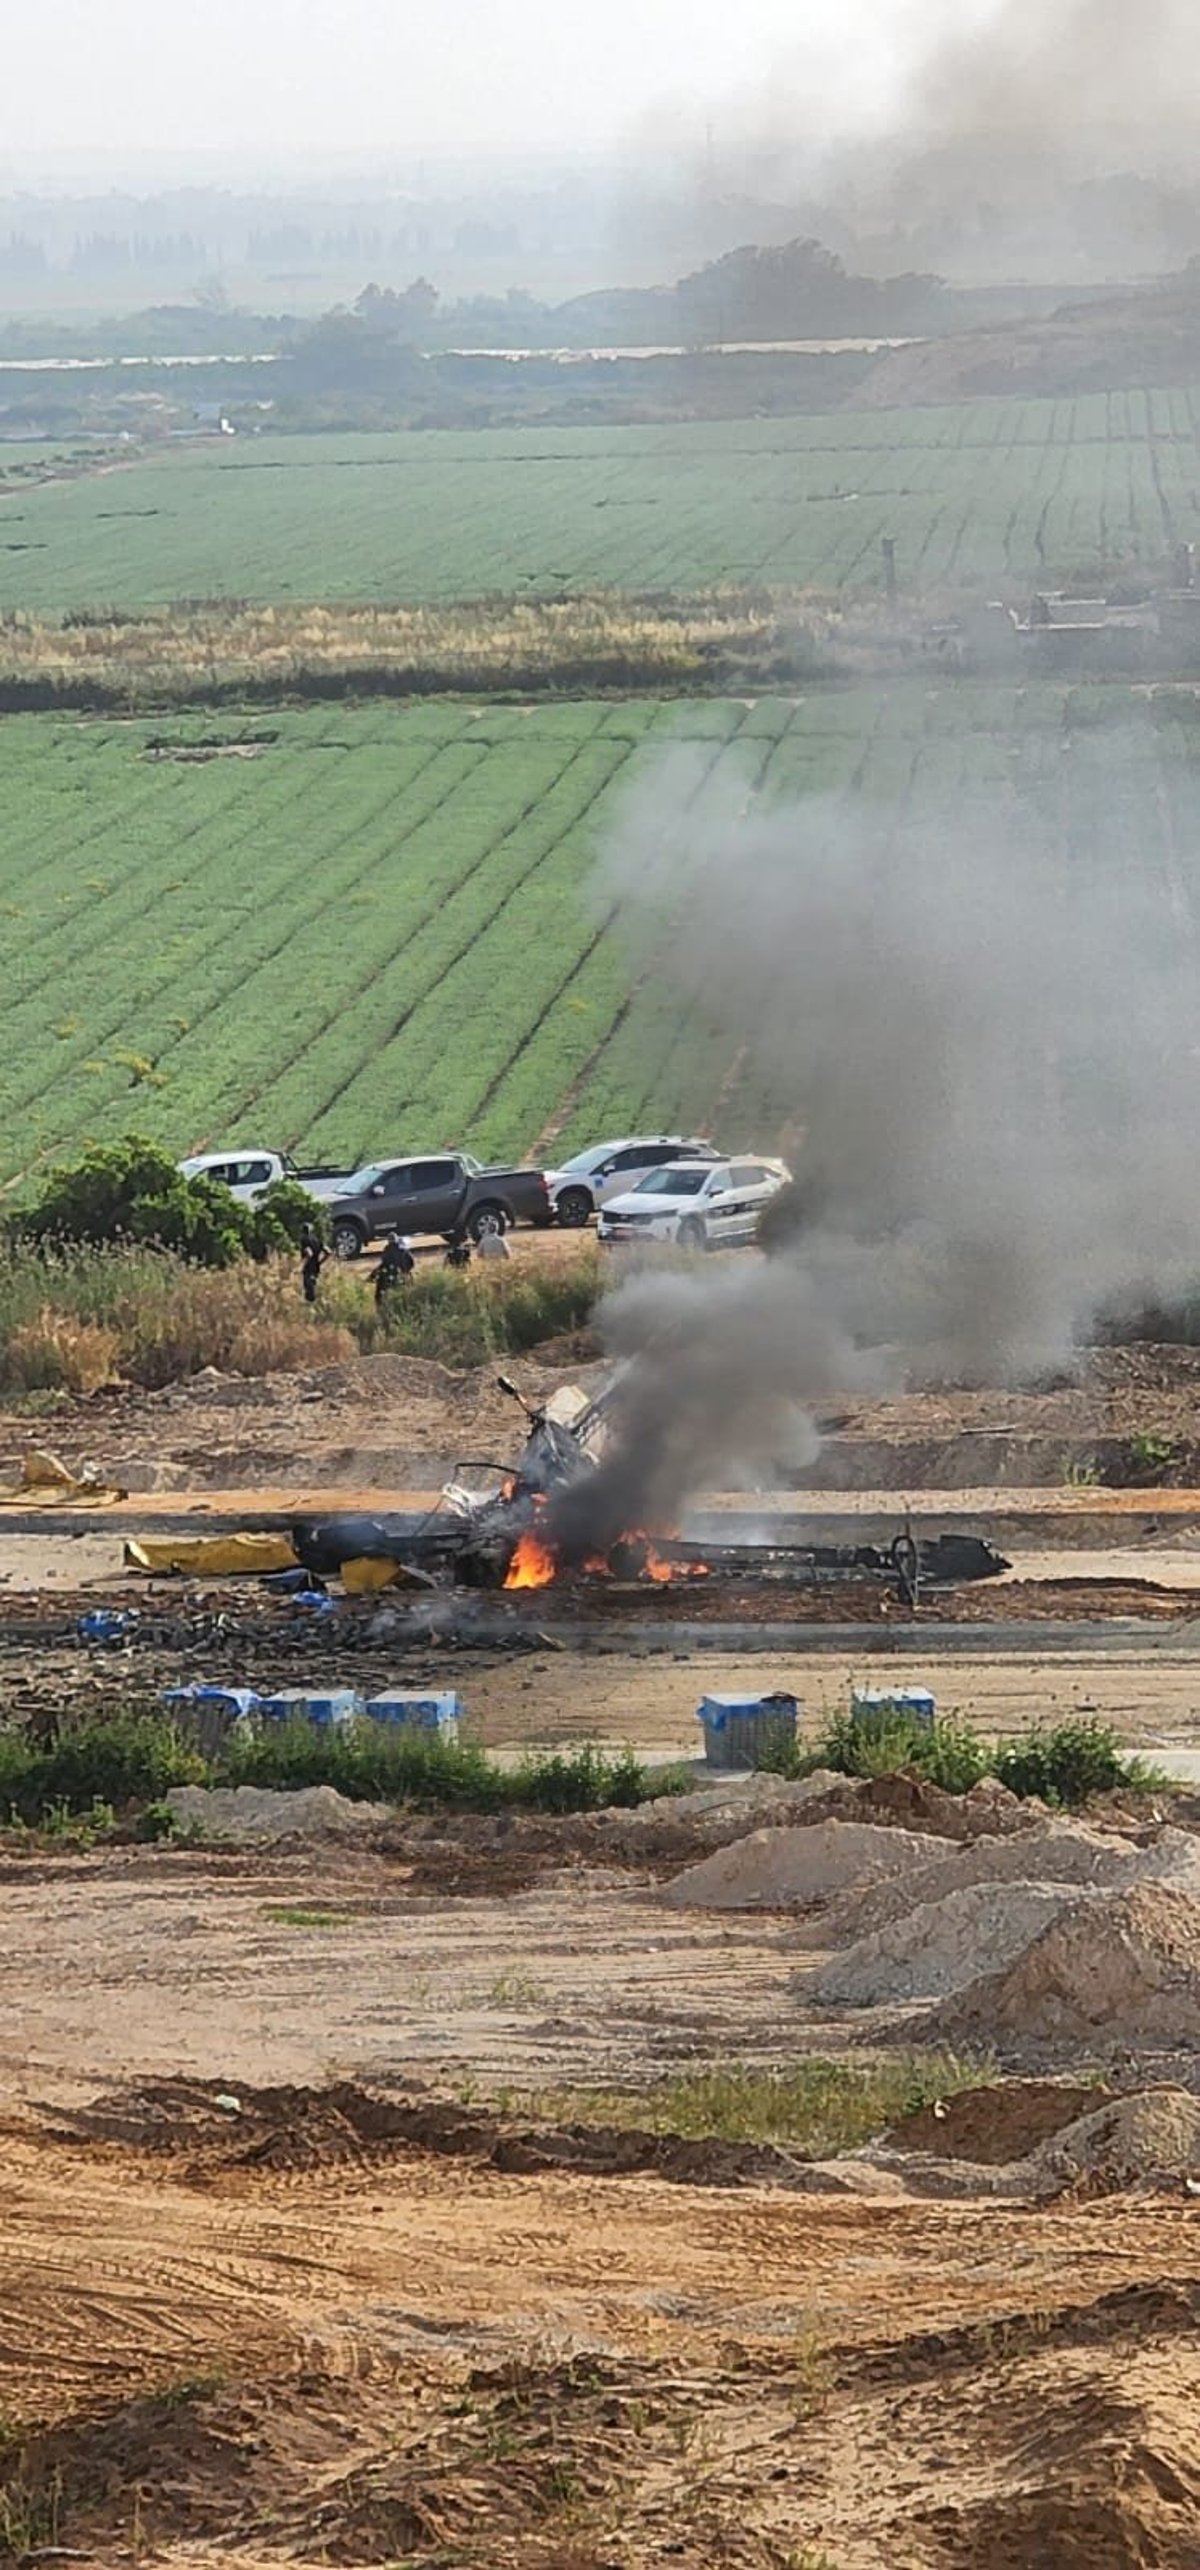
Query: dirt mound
(1054, 1851)
(368, 2472)
(939, 1946)
(1089, 2476)
(1143, 2140)
(988, 1810)
(784, 1868)
(1115, 1968)
(190, 2459)
(711, 1816)
(993, 2125)
(258, 1811)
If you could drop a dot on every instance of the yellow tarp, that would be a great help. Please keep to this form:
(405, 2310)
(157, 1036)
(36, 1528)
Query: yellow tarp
(367, 1573)
(370, 1570)
(220, 1554)
(46, 1478)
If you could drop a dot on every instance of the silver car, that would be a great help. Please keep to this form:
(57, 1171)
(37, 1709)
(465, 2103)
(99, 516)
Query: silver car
(606, 1169)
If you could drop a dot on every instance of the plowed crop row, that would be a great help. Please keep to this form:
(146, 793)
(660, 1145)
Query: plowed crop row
(387, 928)
(979, 492)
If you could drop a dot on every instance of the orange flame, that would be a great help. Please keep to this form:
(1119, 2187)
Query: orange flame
(533, 1565)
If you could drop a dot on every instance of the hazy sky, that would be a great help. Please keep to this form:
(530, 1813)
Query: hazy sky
(290, 77)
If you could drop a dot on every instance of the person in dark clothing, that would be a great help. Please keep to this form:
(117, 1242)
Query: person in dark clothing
(312, 1260)
(458, 1250)
(396, 1263)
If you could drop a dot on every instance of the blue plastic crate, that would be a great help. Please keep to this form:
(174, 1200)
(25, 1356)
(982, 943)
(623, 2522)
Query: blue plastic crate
(330, 1706)
(917, 1703)
(439, 1713)
(740, 1730)
(238, 1700)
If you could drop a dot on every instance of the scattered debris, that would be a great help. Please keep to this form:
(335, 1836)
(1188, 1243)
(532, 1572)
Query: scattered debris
(210, 1556)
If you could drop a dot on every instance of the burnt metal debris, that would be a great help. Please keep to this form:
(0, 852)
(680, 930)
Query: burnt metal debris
(469, 1539)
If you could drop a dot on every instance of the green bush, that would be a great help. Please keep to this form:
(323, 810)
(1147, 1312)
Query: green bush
(378, 1762)
(585, 1780)
(368, 1762)
(131, 1191)
(470, 1318)
(117, 1760)
(293, 1211)
(1068, 1763)
(880, 1741)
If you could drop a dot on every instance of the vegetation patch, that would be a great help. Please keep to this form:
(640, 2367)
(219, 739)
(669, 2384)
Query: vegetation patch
(74, 1318)
(816, 2108)
(1064, 1764)
(385, 933)
(108, 1765)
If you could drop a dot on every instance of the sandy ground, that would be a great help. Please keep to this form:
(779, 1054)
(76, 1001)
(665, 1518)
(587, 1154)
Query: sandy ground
(387, 1422)
(290, 2355)
(550, 2371)
(320, 2353)
(215, 1968)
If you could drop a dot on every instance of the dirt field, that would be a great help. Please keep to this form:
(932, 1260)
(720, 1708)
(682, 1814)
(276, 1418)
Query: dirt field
(306, 2255)
(302, 2328)
(392, 1422)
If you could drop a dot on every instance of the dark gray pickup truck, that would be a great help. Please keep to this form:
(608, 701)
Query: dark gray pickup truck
(447, 1195)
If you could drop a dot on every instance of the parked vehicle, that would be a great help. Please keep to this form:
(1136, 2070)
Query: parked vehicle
(697, 1205)
(449, 1195)
(248, 1174)
(607, 1169)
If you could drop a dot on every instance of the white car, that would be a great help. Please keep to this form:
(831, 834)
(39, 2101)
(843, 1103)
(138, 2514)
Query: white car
(607, 1169)
(698, 1204)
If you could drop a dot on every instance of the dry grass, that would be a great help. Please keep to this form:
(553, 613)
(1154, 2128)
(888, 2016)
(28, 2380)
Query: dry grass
(228, 652)
(83, 1318)
(55, 1352)
(75, 1319)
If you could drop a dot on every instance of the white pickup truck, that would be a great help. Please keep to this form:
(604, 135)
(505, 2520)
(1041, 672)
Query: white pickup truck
(248, 1174)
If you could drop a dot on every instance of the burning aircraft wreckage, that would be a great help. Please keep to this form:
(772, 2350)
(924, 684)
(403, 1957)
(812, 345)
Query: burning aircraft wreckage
(544, 1520)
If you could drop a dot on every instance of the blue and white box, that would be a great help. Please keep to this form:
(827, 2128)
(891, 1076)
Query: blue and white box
(239, 1701)
(746, 1730)
(440, 1713)
(914, 1704)
(331, 1706)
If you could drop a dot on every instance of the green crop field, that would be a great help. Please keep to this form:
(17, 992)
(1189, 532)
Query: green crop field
(988, 492)
(381, 929)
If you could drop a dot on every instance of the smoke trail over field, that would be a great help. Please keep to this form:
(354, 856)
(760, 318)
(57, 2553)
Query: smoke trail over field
(992, 140)
(1070, 71)
(991, 1049)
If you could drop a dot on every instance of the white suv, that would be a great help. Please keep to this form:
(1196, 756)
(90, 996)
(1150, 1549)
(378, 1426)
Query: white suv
(699, 1204)
(606, 1169)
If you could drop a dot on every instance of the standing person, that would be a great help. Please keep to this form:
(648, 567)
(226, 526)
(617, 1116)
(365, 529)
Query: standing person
(396, 1263)
(312, 1260)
